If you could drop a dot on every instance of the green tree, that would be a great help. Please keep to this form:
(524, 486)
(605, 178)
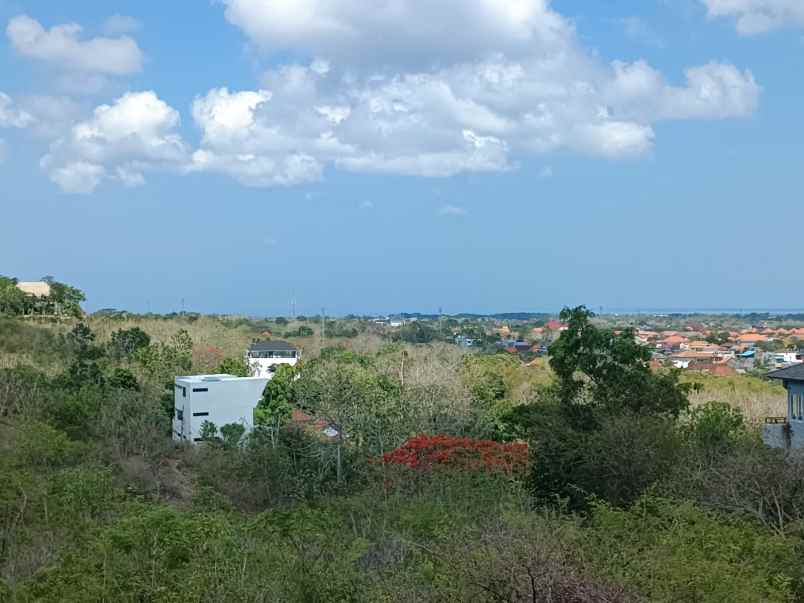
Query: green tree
(13, 302)
(233, 366)
(611, 370)
(163, 361)
(303, 331)
(417, 332)
(715, 428)
(208, 432)
(84, 369)
(361, 404)
(275, 409)
(127, 342)
(122, 378)
(718, 338)
(64, 298)
(606, 403)
(232, 434)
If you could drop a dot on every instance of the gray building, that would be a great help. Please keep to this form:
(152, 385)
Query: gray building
(788, 432)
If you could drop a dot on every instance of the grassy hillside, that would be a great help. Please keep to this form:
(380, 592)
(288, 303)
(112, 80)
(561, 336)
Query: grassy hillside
(98, 504)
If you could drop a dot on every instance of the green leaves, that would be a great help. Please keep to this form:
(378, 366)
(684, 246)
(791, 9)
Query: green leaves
(275, 409)
(675, 551)
(63, 299)
(611, 370)
(127, 342)
(164, 361)
(233, 366)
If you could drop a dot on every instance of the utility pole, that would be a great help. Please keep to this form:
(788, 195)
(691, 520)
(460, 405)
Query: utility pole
(323, 325)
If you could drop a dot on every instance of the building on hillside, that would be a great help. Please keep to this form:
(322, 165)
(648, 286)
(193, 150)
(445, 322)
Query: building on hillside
(219, 399)
(319, 427)
(788, 432)
(464, 342)
(514, 346)
(683, 360)
(718, 369)
(35, 288)
(783, 359)
(556, 325)
(673, 343)
(264, 356)
(703, 346)
(751, 338)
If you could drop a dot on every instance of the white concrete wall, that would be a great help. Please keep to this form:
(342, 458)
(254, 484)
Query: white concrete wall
(230, 400)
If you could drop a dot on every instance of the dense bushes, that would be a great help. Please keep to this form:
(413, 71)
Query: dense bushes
(400, 477)
(675, 551)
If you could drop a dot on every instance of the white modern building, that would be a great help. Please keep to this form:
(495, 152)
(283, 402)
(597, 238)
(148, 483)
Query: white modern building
(219, 399)
(264, 356)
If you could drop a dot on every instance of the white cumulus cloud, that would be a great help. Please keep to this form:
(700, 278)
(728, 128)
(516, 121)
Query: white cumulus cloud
(386, 91)
(404, 32)
(470, 117)
(137, 133)
(12, 116)
(77, 177)
(758, 16)
(62, 45)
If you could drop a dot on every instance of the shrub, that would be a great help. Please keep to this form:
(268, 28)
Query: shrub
(715, 428)
(126, 342)
(675, 551)
(616, 461)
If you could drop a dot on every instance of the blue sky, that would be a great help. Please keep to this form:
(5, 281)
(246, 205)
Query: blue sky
(471, 155)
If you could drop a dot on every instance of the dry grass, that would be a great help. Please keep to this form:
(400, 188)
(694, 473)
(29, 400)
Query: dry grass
(205, 331)
(755, 397)
(231, 336)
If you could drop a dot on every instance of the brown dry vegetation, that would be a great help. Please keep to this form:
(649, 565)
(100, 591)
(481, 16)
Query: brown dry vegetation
(754, 397)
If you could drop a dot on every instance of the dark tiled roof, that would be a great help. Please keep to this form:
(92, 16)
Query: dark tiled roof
(791, 373)
(272, 345)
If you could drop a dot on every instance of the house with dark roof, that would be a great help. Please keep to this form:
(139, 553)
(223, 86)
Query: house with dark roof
(263, 357)
(788, 432)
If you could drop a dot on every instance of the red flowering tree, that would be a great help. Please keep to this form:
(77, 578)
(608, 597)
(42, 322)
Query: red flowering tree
(426, 453)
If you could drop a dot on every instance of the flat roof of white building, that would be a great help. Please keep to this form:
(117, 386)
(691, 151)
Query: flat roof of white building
(216, 378)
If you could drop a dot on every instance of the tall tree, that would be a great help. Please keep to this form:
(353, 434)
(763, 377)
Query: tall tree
(611, 370)
(275, 409)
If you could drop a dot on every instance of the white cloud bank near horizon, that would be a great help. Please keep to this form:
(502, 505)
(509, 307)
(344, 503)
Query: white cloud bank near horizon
(387, 92)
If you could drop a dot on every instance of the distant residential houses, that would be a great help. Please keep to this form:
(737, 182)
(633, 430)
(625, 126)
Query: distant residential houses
(393, 322)
(736, 352)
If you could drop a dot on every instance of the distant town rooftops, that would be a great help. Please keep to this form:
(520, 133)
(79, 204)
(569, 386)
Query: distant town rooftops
(271, 345)
(790, 373)
(35, 288)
